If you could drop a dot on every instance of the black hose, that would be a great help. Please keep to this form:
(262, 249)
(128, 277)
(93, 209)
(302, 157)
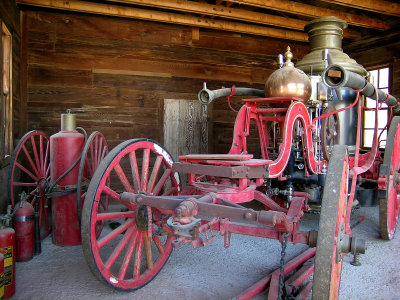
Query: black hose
(38, 244)
(345, 78)
(206, 96)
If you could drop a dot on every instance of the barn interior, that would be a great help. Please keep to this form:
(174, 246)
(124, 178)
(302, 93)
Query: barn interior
(133, 68)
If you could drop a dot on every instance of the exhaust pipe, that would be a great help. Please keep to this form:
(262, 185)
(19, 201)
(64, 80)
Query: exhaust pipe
(335, 76)
(206, 96)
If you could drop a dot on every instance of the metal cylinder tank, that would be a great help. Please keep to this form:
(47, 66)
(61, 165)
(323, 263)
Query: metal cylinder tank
(24, 234)
(326, 33)
(65, 149)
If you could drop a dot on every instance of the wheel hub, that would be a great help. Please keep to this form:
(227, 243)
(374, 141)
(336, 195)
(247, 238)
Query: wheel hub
(141, 217)
(346, 244)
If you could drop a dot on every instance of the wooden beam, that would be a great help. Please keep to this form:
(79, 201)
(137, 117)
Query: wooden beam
(221, 11)
(377, 6)
(23, 75)
(152, 15)
(315, 12)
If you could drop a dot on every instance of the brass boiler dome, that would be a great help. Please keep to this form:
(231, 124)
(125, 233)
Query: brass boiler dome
(288, 81)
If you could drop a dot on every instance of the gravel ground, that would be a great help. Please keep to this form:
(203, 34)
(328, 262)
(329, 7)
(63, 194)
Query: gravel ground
(213, 272)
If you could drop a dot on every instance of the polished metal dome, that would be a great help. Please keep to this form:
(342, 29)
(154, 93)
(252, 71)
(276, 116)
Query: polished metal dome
(288, 81)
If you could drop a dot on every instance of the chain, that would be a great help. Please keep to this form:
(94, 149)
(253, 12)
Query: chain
(284, 240)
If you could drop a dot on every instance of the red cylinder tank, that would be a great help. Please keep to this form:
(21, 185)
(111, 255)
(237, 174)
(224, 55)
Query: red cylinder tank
(7, 248)
(1, 276)
(65, 148)
(24, 225)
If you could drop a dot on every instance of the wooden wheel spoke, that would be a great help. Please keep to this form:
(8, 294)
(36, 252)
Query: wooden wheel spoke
(99, 149)
(147, 251)
(160, 184)
(22, 168)
(158, 244)
(104, 203)
(46, 164)
(138, 257)
(123, 179)
(128, 256)
(48, 172)
(145, 168)
(104, 151)
(30, 161)
(36, 155)
(113, 194)
(23, 183)
(118, 249)
(135, 171)
(96, 151)
(42, 167)
(113, 234)
(90, 160)
(154, 173)
(115, 215)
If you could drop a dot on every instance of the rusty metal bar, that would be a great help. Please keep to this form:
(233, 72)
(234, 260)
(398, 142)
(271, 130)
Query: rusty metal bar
(305, 291)
(278, 219)
(266, 231)
(255, 289)
(221, 171)
(297, 279)
(274, 277)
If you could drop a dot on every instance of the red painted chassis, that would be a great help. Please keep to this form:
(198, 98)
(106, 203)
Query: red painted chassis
(158, 215)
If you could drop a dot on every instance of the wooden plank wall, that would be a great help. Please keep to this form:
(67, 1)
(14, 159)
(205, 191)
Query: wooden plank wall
(119, 71)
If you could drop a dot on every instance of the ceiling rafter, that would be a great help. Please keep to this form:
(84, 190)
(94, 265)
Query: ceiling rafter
(153, 15)
(315, 12)
(377, 6)
(221, 11)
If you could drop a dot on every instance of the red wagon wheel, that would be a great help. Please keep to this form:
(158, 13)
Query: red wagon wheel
(328, 258)
(133, 251)
(30, 173)
(93, 153)
(389, 202)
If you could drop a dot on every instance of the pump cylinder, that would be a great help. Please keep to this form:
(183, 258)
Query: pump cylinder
(65, 148)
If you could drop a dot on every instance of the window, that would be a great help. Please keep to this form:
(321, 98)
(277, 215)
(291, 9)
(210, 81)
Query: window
(380, 79)
(6, 97)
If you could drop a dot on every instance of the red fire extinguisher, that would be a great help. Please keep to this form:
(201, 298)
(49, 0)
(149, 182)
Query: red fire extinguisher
(7, 247)
(1, 276)
(66, 148)
(24, 231)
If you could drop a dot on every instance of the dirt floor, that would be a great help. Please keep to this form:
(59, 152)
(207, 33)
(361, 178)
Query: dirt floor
(213, 272)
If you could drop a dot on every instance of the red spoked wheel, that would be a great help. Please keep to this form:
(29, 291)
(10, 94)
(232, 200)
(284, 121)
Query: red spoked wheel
(30, 174)
(328, 257)
(133, 251)
(389, 199)
(93, 153)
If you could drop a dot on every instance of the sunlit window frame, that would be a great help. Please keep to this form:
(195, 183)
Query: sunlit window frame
(383, 113)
